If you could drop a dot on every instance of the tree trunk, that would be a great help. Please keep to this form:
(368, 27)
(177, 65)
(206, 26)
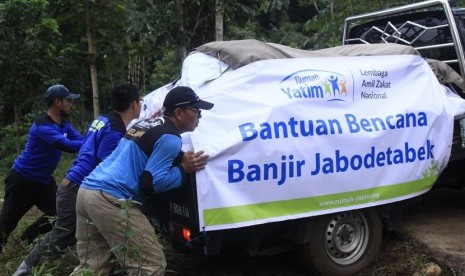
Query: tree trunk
(331, 8)
(92, 58)
(219, 13)
(182, 44)
(17, 122)
(142, 88)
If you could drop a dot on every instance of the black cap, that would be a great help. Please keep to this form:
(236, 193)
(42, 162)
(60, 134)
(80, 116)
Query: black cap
(59, 91)
(183, 96)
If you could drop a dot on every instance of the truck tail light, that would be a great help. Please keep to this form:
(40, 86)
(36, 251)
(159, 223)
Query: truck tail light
(186, 234)
(180, 232)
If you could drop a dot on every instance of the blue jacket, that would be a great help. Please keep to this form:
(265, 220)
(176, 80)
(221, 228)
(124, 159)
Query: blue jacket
(141, 164)
(102, 137)
(47, 139)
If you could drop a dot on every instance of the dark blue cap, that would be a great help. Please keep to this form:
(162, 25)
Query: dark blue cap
(183, 96)
(59, 91)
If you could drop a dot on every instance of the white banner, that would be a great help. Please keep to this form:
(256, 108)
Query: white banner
(301, 137)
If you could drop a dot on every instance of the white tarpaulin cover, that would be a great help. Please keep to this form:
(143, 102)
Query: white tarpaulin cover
(298, 137)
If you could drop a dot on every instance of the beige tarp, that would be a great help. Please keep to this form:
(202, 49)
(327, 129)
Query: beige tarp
(237, 53)
(445, 73)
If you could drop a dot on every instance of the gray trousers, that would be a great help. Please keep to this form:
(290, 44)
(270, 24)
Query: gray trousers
(62, 235)
(107, 229)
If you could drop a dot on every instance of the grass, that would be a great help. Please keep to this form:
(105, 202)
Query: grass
(15, 251)
(399, 256)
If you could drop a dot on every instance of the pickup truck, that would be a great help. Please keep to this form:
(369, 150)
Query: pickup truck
(339, 240)
(436, 30)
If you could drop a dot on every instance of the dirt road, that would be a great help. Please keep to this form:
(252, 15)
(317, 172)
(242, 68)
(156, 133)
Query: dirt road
(438, 223)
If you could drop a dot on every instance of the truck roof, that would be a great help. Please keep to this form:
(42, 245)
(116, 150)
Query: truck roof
(238, 53)
(432, 27)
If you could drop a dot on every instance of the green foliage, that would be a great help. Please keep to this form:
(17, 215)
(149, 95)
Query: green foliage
(290, 34)
(167, 69)
(26, 50)
(274, 5)
(11, 135)
(15, 250)
(44, 42)
(65, 163)
(325, 31)
(63, 265)
(248, 31)
(8, 136)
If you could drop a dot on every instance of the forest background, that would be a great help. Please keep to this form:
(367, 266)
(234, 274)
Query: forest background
(92, 45)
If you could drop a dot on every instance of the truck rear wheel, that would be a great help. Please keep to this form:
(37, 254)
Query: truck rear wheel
(343, 243)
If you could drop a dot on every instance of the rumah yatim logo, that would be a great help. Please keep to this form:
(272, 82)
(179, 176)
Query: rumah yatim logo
(315, 84)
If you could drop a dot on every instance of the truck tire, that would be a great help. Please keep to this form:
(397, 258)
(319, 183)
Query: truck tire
(343, 243)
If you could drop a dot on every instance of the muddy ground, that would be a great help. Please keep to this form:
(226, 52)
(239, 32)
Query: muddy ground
(398, 256)
(431, 233)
